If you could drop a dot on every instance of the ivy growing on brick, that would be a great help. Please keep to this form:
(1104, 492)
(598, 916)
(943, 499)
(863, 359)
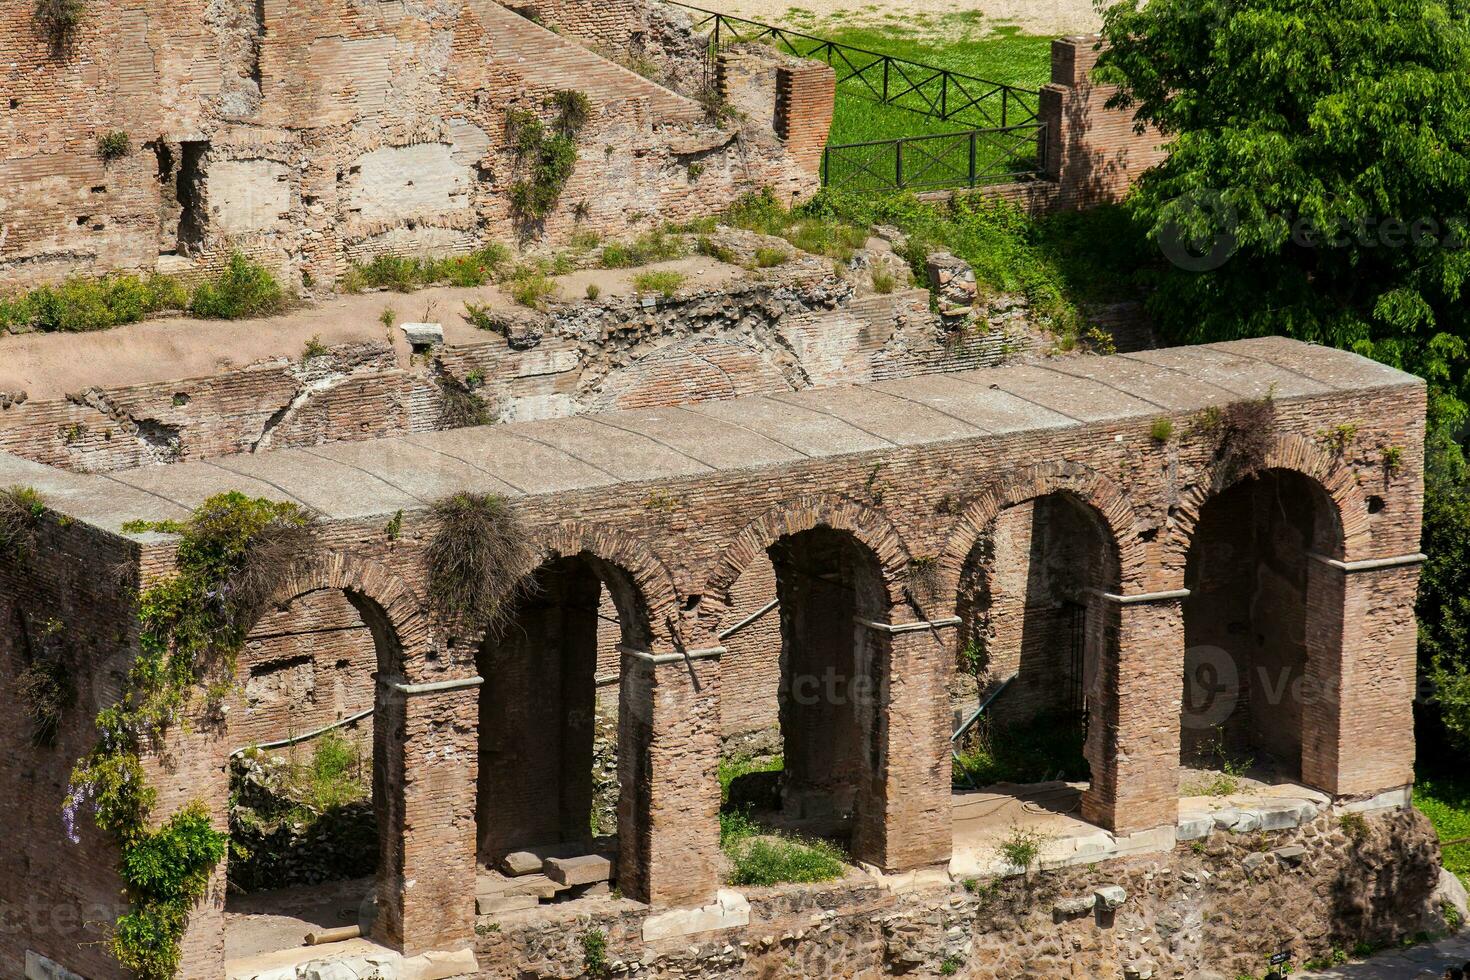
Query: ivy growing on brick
(234, 553)
(547, 155)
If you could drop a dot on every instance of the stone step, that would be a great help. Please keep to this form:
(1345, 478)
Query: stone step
(496, 904)
(537, 884)
(584, 870)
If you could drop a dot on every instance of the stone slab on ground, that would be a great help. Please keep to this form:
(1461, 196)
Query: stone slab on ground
(729, 911)
(584, 870)
(496, 904)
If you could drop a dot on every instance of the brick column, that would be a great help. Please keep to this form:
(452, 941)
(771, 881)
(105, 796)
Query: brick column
(668, 761)
(1358, 688)
(425, 767)
(903, 818)
(1133, 732)
(1092, 151)
(805, 101)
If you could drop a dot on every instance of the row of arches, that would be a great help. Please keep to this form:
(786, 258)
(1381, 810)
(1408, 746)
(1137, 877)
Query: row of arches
(1047, 554)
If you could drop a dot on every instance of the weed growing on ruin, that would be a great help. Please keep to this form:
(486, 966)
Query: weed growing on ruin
(532, 287)
(720, 253)
(83, 304)
(1339, 438)
(58, 21)
(733, 767)
(546, 155)
(665, 282)
(114, 145)
(395, 526)
(922, 577)
(21, 510)
(1245, 432)
(717, 109)
(405, 274)
(593, 291)
(461, 408)
(950, 965)
(1393, 460)
(1021, 848)
(388, 318)
(1229, 770)
(594, 953)
(244, 288)
(1050, 747)
(44, 685)
(654, 246)
(768, 257)
(760, 858)
(1354, 826)
(314, 348)
(479, 560)
(884, 282)
(233, 555)
(1162, 430)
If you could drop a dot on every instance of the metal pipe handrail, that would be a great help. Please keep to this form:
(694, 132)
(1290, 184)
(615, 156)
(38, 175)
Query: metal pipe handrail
(960, 732)
(750, 620)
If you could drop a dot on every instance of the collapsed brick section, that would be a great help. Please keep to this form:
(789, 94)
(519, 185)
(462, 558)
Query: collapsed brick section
(312, 139)
(672, 537)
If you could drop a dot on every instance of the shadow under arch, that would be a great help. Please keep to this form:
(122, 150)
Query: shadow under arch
(540, 706)
(402, 636)
(1262, 622)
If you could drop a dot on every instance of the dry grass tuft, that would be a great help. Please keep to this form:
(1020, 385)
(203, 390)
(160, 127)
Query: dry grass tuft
(480, 560)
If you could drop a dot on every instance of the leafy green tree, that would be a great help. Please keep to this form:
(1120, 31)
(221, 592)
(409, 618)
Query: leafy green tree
(1317, 186)
(1324, 146)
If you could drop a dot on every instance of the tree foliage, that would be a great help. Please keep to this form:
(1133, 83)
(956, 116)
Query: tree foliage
(1329, 144)
(1317, 187)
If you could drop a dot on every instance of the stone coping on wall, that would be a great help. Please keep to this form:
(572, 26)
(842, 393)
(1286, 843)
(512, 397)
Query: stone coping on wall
(356, 480)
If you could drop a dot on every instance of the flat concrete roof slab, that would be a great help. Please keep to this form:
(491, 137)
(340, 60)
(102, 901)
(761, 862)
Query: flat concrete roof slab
(1145, 382)
(526, 464)
(802, 429)
(1233, 370)
(614, 445)
(1077, 398)
(414, 470)
(988, 409)
(322, 484)
(897, 420)
(715, 443)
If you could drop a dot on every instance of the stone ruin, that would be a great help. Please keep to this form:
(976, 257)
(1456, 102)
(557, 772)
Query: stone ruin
(773, 512)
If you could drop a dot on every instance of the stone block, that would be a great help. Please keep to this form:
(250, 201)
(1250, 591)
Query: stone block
(1253, 862)
(497, 904)
(1194, 826)
(1293, 854)
(439, 965)
(1285, 815)
(729, 911)
(1069, 908)
(518, 863)
(424, 334)
(582, 870)
(1110, 897)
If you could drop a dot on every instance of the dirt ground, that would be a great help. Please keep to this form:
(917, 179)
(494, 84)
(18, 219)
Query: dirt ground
(51, 365)
(1043, 17)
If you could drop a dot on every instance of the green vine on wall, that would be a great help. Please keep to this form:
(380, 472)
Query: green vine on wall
(547, 155)
(233, 555)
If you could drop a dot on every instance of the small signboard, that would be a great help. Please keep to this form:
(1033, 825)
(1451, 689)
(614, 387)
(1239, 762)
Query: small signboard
(1279, 958)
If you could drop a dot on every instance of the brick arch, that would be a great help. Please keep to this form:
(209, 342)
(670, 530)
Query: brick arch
(1013, 487)
(1294, 454)
(647, 576)
(396, 615)
(869, 526)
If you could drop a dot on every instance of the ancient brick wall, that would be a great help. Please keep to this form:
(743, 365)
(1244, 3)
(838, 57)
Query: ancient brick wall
(313, 140)
(805, 95)
(1093, 153)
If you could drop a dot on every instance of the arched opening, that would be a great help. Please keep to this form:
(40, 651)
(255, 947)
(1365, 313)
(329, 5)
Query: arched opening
(1247, 630)
(550, 773)
(827, 686)
(1035, 631)
(307, 789)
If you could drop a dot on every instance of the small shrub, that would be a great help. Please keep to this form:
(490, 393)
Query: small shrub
(720, 253)
(1354, 826)
(388, 318)
(693, 171)
(950, 966)
(884, 282)
(1022, 848)
(461, 408)
(21, 510)
(114, 145)
(58, 20)
(45, 685)
(482, 317)
(594, 952)
(653, 246)
(1246, 431)
(663, 281)
(593, 290)
(922, 573)
(1393, 460)
(533, 288)
(1339, 438)
(547, 157)
(479, 560)
(84, 304)
(403, 274)
(315, 348)
(717, 109)
(244, 289)
(1162, 430)
(768, 257)
(395, 526)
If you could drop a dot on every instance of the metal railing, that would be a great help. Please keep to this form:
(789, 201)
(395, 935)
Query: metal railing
(888, 80)
(942, 161)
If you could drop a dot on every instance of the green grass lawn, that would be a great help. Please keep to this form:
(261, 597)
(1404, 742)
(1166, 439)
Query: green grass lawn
(1445, 800)
(952, 42)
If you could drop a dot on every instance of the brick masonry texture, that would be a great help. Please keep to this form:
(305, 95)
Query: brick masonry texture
(314, 135)
(674, 507)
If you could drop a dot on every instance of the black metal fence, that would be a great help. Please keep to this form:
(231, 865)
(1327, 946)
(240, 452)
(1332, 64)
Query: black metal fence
(943, 161)
(937, 92)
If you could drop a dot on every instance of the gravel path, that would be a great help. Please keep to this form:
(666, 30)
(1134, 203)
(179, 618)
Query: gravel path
(1424, 961)
(1045, 17)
